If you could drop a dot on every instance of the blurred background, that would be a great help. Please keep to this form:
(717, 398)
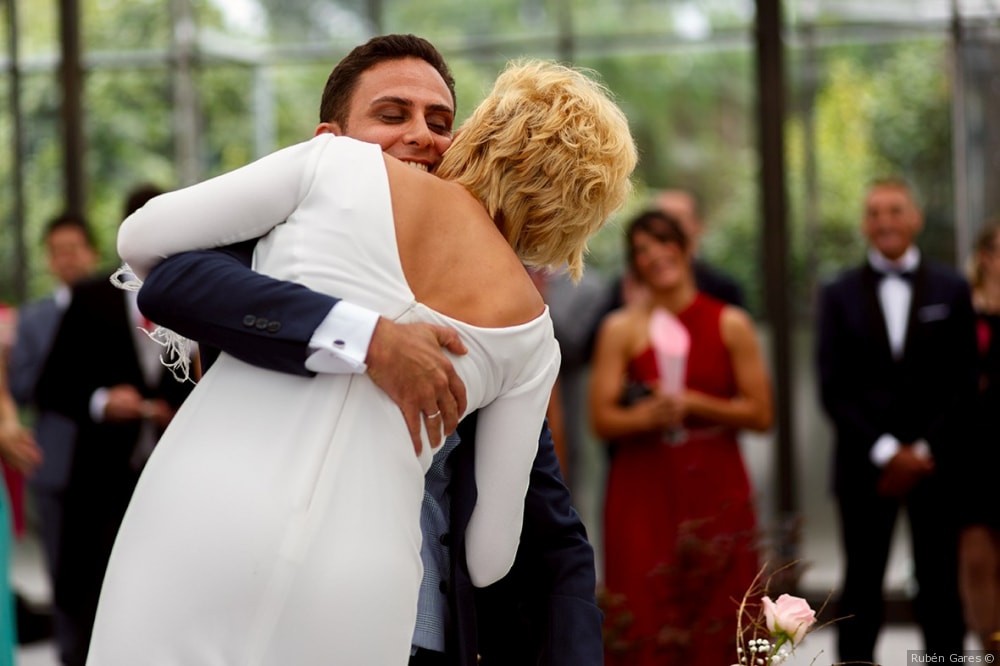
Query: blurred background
(776, 114)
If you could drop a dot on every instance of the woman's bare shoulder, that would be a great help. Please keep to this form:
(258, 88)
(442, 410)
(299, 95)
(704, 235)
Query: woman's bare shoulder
(736, 326)
(625, 326)
(454, 257)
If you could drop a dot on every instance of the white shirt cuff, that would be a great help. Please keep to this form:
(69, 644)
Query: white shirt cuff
(98, 402)
(884, 449)
(340, 343)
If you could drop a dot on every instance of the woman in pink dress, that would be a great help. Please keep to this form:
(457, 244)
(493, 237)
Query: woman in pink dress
(679, 524)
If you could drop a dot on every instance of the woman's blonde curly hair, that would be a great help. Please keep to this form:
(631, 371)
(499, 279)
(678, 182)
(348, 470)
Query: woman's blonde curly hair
(550, 156)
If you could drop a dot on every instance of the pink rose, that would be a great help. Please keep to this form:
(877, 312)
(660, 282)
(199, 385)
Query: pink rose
(788, 615)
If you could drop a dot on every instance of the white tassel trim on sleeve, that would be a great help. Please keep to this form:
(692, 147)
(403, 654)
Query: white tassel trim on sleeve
(176, 347)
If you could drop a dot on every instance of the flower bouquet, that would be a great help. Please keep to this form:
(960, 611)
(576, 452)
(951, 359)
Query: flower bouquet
(671, 343)
(786, 621)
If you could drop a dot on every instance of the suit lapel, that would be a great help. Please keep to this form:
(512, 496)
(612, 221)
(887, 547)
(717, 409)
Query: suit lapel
(873, 309)
(919, 297)
(117, 307)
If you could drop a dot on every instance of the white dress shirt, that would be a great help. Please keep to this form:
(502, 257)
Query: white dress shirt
(340, 342)
(895, 295)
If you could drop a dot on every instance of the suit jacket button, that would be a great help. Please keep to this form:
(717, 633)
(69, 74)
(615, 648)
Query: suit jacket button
(262, 324)
(249, 320)
(273, 326)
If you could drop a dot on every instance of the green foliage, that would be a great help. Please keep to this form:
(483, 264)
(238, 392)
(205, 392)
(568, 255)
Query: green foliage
(134, 25)
(877, 112)
(876, 109)
(690, 115)
(842, 151)
(911, 129)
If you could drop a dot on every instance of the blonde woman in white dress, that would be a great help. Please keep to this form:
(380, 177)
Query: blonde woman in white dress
(277, 522)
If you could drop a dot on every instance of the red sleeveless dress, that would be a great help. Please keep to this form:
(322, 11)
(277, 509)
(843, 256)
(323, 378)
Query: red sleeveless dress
(679, 526)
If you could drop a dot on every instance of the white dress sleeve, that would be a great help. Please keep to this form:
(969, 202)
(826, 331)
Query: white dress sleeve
(236, 206)
(507, 434)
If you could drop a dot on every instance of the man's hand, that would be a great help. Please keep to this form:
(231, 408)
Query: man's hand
(407, 362)
(125, 404)
(903, 471)
(159, 412)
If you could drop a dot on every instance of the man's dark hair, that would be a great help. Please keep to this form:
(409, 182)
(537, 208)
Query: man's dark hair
(70, 221)
(343, 80)
(138, 196)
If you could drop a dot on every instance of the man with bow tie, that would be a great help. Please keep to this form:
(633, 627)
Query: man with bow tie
(896, 363)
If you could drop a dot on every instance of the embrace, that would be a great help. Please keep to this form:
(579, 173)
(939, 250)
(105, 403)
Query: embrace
(279, 519)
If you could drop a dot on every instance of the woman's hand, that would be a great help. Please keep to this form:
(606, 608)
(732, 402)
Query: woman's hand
(661, 411)
(18, 447)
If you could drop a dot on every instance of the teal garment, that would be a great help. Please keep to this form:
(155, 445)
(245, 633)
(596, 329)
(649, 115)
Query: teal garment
(8, 631)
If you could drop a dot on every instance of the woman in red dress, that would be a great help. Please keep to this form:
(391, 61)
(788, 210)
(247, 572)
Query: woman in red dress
(679, 524)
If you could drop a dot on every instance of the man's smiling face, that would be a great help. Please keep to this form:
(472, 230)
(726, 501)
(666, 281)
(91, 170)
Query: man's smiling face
(891, 220)
(404, 106)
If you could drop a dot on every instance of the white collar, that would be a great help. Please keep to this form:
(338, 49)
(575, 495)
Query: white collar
(908, 262)
(62, 296)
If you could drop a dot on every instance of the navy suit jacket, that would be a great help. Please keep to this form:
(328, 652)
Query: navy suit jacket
(921, 395)
(544, 611)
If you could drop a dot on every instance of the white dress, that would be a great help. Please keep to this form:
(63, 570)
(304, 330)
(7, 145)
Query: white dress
(278, 520)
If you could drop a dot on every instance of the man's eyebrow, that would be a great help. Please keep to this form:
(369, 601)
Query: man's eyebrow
(442, 108)
(403, 101)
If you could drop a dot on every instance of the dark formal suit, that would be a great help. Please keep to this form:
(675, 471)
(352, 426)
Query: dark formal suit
(715, 283)
(544, 611)
(94, 348)
(867, 393)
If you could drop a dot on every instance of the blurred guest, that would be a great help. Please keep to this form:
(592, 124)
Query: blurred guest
(896, 365)
(8, 323)
(685, 208)
(105, 374)
(679, 523)
(17, 445)
(13, 479)
(554, 412)
(979, 541)
(576, 309)
(17, 448)
(72, 256)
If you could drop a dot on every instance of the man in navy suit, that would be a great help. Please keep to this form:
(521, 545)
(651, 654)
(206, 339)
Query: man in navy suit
(544, 611)
(896, 357)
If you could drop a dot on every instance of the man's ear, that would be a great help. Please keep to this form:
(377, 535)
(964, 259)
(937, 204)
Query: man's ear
(328, 128)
